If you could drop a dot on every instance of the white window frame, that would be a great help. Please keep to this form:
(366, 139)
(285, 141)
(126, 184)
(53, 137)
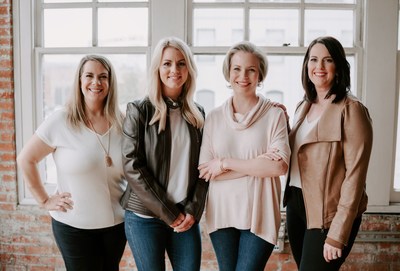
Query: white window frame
(377, 83)
(395, 195)
(380, 92)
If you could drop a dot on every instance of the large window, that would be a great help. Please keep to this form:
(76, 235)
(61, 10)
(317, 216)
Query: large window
(282, 28)
(49, 44)
(65, 31)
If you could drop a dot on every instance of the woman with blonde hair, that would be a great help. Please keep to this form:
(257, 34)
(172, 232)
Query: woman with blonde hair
(85, 141)
(243, 205)
(162, 136)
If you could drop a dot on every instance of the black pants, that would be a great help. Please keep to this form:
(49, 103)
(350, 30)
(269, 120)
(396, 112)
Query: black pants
(86, 250)
(308, 244)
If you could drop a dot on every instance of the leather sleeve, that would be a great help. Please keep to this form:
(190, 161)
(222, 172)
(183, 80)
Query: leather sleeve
(195, 206)
(140, 179)
(357, 145)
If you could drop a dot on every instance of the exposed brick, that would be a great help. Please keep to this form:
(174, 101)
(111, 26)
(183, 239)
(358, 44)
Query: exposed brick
(4, 166)
(4, 84)
(6, 94)
(7, 137)
(4, 206)
(6, 105)
(7, 178)
(4, 116)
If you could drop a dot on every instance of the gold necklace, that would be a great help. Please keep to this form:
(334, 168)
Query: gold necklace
(107, 157)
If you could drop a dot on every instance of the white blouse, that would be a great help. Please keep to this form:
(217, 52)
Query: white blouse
(81, 170)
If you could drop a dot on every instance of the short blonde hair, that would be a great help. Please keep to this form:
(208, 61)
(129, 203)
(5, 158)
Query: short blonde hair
(248, 47)
(190, 111)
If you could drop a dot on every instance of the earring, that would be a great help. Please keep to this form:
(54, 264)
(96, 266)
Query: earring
(228, 85)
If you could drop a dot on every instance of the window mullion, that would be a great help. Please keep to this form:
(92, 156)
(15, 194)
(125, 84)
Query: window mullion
(95, 33)
(246, 18)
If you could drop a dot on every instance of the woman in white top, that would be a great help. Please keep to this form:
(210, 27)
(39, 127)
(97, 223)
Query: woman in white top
(240, 138)
(85, 141)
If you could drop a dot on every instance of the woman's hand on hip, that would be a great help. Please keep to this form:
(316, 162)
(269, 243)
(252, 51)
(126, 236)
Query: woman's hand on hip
(59, 202)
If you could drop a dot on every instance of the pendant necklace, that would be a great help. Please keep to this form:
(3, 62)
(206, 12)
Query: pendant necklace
(107, 157)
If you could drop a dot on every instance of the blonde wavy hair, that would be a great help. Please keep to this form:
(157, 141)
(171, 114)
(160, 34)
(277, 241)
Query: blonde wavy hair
(190, 111)
(76, 114)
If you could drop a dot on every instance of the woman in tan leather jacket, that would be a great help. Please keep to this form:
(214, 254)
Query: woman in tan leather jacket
(161, 145)
(331, 142)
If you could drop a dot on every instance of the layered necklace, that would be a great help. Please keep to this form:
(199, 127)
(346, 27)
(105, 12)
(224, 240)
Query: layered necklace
(107, 157)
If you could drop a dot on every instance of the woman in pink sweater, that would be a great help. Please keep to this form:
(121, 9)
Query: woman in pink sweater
(239, 141)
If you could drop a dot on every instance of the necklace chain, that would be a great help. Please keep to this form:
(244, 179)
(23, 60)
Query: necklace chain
(107, 156)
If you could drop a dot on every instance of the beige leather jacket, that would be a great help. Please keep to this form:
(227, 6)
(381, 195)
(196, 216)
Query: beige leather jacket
(333, 163)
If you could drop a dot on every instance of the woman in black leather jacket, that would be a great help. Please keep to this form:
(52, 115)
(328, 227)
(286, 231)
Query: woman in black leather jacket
(161, 144)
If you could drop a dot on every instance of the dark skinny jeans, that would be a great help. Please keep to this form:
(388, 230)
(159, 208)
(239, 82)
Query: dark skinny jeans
(307, 245)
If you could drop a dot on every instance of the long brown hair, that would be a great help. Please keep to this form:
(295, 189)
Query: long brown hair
(341, 85)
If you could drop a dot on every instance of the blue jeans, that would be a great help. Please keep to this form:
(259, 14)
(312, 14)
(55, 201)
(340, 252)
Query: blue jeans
(90, 250)
(150, 238)
(240, 250)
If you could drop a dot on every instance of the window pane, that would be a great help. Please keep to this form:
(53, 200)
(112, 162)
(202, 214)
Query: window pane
(336, 23)
(66, 1)
(58, 77)
(396, 185)
(274, 27)
(112, 1)
(123, 26)
(227, 25)
(275, 1)
(210, 79)
(283, 82)
(331, 1)
(59, 71)
(212, 1)
(61, 31)
(76, 1)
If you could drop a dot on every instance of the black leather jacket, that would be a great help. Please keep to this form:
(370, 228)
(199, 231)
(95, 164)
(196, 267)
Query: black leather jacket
(146, 160)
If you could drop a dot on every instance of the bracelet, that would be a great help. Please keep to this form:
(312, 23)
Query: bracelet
(221, 165)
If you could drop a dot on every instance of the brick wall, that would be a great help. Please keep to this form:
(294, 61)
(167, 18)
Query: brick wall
(26, 241)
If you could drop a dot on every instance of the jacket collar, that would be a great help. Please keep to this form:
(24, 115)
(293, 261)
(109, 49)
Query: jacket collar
(172, 104)
(328, 128)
